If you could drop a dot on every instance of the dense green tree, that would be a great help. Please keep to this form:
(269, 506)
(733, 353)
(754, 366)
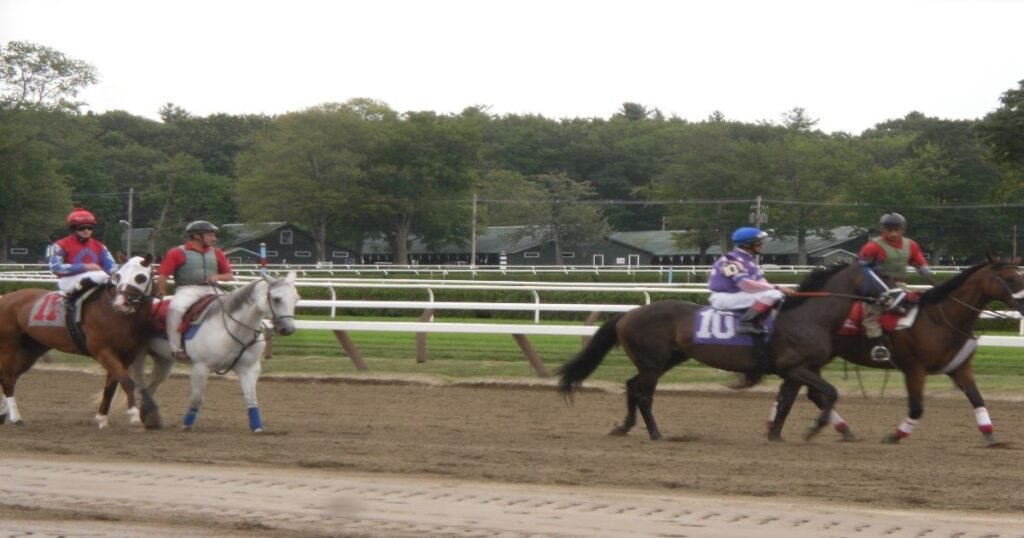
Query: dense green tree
(804, 173)
(716, 170)
(34, 198)
(36, 76)
(564, 216)
(421, 178)
(1003, 128)
(307, 168)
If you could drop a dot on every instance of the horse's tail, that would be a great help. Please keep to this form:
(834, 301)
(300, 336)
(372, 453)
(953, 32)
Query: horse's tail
(586, 361)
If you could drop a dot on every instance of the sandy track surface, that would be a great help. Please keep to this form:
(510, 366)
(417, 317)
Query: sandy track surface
(344, 459)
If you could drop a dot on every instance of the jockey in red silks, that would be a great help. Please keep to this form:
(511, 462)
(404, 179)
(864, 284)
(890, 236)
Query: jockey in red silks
(197, 266)
(80, 260)
(892, 252)
(736, 282)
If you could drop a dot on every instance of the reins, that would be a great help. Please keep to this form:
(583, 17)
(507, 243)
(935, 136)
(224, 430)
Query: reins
(820, 294)
(258, 331)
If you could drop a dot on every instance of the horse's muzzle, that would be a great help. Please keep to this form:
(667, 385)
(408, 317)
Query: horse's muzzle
(284, 327)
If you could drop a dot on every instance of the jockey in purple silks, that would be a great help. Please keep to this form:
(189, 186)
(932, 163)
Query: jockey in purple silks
(737, 282)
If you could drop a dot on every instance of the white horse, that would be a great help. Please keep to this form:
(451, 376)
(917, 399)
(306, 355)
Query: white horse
(230, 337)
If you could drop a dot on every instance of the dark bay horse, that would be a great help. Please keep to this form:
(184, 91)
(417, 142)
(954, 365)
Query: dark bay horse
(658, 336)
(115, 323)
(941, 341)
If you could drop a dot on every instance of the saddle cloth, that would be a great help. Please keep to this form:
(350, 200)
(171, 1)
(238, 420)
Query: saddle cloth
(891, 321)
(49, 311)
(718, 327)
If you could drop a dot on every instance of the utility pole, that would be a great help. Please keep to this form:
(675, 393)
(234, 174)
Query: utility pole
(131, 199)
(758, 213)
(1014, 256)
(758, 216)
(472, 241)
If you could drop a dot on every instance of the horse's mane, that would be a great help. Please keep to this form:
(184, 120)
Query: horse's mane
(238, 298)
(813, 282)
(941, 292)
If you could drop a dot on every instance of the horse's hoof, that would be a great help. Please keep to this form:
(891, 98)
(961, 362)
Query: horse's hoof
(810, 433)
(848, 437)
(19, 422)
(153, 422)
(133, 416)
(102, 421)
(258, 430)
(3, 418)
(618, 431)
(891, 439)
(188, 428)
(775, 437)
(656, 437)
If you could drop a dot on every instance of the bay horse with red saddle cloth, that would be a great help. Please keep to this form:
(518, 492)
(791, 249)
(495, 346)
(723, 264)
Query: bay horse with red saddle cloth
(941, 340)
(114, 326)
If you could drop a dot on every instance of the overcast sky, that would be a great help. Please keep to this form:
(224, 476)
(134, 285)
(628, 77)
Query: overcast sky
(850, 64)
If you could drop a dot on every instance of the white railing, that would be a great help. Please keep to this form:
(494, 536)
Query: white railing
(327, 270)
(518, 331)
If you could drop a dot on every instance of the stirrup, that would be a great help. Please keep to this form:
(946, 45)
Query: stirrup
(880, 353)
(749, 328)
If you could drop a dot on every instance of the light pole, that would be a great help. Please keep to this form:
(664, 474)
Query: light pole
(127, 224)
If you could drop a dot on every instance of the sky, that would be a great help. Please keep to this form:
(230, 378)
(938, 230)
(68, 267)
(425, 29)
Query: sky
(848, 64)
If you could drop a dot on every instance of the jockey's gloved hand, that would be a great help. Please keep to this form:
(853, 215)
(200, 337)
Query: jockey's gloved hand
(892, 298)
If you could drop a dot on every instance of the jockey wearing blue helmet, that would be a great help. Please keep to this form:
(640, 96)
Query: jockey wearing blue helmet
(747, 236)
(737, 282)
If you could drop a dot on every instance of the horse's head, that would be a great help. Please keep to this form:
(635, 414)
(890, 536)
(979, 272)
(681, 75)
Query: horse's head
(1005, 282)
(281, 300)
(133, 283)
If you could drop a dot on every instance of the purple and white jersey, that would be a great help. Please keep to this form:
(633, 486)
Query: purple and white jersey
(731, 269)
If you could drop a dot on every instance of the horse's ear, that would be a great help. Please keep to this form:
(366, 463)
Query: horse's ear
(120, 257)
(291, 276)
(991, 259)
(147, 259)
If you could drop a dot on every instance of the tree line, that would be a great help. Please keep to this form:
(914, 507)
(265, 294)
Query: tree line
(359, 169)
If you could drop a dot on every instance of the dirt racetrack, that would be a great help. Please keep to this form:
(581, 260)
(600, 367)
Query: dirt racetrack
(499, 437)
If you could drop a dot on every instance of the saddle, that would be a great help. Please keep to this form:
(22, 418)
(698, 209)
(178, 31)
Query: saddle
(189, 322)
(891, 321)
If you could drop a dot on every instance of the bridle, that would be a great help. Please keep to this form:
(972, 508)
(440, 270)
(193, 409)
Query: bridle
(257, 331)
(1013, 299)
(133, 295)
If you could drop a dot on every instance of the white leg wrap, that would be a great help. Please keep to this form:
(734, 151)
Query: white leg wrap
(834, 418)
(12, 407)
(907, 426)
(773, 412)
(133, 415)
(102, 421)
(984, 421)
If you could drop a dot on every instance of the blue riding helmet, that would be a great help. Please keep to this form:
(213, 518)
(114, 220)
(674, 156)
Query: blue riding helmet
(747, 236)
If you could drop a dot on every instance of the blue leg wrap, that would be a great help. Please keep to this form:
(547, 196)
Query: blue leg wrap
(190, 417)
(255, 422)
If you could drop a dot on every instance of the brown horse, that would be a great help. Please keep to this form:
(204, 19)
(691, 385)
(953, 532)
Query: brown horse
(658, 336)
(115, 324)
(941, 341)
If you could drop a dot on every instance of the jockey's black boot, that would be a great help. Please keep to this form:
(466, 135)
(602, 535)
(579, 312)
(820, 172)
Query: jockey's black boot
(750, 322)
(879, 349)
